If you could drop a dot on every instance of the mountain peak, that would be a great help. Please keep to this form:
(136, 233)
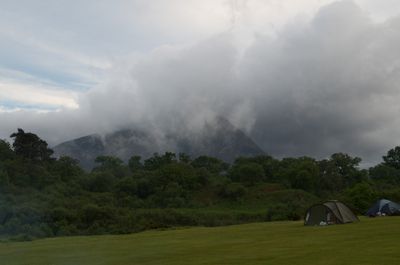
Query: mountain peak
(217, 138)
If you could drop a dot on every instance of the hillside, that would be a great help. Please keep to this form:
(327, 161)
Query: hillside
(45, 197)
(217, 138)
(278, 243)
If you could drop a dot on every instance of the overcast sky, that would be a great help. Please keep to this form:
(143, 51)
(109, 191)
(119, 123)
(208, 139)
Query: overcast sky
(304, 77)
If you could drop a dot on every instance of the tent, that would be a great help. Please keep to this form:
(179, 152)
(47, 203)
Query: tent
(384, 207)
(330, 212)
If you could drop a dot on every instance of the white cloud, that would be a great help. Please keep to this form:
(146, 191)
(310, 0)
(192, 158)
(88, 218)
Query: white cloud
(29, 94)
(75, 43)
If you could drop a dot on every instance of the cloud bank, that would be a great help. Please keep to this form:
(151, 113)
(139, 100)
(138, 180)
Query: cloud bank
(314, 88)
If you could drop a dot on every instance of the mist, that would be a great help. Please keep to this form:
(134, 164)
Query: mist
(319, 86)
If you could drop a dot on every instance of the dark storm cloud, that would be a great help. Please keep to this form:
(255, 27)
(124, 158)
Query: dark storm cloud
(327, 86)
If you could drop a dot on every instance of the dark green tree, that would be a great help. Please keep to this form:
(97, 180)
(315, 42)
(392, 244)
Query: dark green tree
(126, 186)
(269, 164)
(247, 173)
(100, 182)
(212, 164)
(339, 172)
(108, 162)
(30, 146)
(145, 185)
(5, 151)
(135, 163)
(299, 173)
(184, 158)
(392, 158)
(233, 191)
(180, 173)
(157, 161)
(4, 178)
(330, 180)
(361, 196)
(67, 168)
(385, 174)
(112, 165)
(347, 167)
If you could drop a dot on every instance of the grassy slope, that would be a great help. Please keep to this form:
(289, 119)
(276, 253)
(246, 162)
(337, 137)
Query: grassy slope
(372, 241)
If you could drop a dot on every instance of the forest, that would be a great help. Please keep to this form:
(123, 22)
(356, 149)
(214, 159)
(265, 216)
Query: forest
(43, 196)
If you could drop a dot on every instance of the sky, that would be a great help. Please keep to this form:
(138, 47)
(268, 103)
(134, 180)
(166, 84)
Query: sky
(304, 77)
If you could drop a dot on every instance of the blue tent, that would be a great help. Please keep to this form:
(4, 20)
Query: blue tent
(384, 207)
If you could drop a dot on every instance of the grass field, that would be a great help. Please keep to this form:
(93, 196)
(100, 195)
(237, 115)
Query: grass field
(371, 241)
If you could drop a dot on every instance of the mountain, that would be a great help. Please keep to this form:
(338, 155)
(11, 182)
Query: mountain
(218, 138)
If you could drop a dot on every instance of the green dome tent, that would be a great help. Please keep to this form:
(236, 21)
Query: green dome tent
(330, 212)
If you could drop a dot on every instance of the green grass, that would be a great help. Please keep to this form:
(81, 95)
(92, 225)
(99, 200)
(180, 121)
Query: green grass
(369, 242)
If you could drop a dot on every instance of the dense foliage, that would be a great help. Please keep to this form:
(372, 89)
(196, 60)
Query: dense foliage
(41, 196)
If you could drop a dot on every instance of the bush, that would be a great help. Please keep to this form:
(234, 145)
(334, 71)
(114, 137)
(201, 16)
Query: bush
(233, 191)
(361, 196)
(248, 173)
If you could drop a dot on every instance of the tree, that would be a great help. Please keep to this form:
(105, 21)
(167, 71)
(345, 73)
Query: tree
(30, 146)
(330, 179)
(135, 164)
(269, 164)
(233, 191)
(340, 171)
(361, 196)
(158, 161)
(347, 167)
(299, 173)
(107, 162)
(126, 186)
(180, 173)
(112, 165)
(392, 158)
(5, 151)
(184, 158)
(67, 168)
(385, 174)
(248, 173)
(100, 182)
(144, 187)
(4, 178)
(212, 164)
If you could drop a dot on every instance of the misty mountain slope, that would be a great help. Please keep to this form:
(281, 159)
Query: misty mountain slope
(128, 142)
(122, 144)
(85, 149)
(218, 138)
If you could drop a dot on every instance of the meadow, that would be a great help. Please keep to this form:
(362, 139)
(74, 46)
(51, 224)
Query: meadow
(372, 241)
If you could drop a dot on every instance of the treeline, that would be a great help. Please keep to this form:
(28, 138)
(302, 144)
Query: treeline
(41, 196)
